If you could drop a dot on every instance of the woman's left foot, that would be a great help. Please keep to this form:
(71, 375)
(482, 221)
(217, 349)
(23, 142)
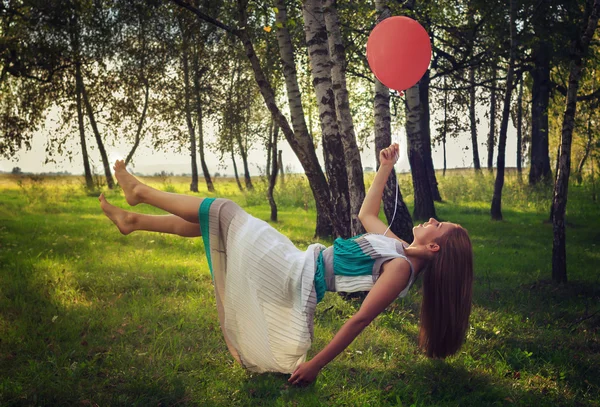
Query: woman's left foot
(123, 219)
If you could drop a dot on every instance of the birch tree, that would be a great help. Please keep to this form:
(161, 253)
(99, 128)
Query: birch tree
(342, 105)
(579, 47)
(496, 209)
(402, 224)
(320, 64)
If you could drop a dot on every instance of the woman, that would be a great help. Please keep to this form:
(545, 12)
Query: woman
(266, 289)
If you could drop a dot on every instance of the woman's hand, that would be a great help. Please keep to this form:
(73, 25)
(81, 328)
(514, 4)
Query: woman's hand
(389, 155)
(304, 374)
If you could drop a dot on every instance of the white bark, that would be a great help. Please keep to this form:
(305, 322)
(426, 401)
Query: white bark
(342, 105)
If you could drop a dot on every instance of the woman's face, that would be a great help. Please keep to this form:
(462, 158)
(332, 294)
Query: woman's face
(429, 231)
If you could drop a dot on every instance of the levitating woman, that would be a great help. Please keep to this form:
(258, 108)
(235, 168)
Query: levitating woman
(267, 289)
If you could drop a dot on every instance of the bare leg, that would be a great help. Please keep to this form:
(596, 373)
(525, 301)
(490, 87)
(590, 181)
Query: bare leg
(184, 206)
(128, 222)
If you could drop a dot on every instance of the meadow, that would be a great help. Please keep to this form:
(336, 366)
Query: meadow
(91, 317)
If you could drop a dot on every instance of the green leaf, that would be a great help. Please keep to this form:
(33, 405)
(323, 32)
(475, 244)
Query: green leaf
(276, 10)
(278, 24)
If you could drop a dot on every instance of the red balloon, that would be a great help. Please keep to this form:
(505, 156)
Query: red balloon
(399, 51)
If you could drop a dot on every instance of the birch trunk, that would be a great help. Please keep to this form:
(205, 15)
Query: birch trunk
(301, 132)
(273, 176)
(496, 209)
(426, 135)
(280, 166)
(320, 64)
(473, 119)
(244, 154)
(561, 187)
(269, 147)
(188, 108)
(424, 207)
(105, 164)
(520, 126)
(342, 104)
(539, 169)
(235, 171)
(445, 128)
(140, 125)
(89, 182)
(402, 224)
(492, 135)
(200, 119)
(588, 144)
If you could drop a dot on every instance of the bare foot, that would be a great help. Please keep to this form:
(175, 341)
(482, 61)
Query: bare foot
(130, 184)
(123, 219)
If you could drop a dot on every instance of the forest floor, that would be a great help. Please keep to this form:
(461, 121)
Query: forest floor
(91, 317)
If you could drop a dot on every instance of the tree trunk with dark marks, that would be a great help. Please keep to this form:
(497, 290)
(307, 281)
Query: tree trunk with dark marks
(200, 121)
(89, 182)
(588, 144)
(280, 166)
(342, 104)
(105, 164)
(333, 150)
(492, 135)
(539, 169)
(559, 202)
(235, 170)
(244, 154)
(302, 135)
(424, 207)
(140, 126)
(473, 119)
(273, 175)
(520, 126)
(496, 209)
(187, 95)
(426, 134)
(402, 224)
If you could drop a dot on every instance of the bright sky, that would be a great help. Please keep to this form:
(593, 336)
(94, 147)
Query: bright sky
(148, 161)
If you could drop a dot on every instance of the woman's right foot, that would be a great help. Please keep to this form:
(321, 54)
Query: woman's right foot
(130, 185)
(121, 218)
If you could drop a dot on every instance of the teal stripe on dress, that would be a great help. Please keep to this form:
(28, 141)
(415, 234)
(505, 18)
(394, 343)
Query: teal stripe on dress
(320, 284)
(349, 259)
(204, 230)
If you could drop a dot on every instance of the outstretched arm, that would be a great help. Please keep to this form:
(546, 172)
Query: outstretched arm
(388, 286)
(369, 212)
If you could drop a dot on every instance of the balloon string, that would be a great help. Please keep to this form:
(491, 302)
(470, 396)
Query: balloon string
(395, 205)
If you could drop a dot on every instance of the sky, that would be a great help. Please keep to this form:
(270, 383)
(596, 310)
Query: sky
(149, 162)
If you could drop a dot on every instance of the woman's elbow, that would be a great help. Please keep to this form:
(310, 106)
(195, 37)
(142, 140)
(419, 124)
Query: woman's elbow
(361, 321)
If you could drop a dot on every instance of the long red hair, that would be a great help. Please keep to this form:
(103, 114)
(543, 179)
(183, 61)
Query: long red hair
(447, 295)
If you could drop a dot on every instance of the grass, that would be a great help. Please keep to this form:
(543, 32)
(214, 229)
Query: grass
(91, 317)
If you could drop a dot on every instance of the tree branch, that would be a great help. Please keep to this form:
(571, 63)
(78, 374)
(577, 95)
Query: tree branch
(206, 17)
(584, 98)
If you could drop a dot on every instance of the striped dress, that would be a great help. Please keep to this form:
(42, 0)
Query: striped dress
(267, 289)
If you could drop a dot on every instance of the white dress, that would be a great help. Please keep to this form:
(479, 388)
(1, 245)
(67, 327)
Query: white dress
(265, 286)
(264, 289)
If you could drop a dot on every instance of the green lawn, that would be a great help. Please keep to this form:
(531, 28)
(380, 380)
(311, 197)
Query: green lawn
(91, 317)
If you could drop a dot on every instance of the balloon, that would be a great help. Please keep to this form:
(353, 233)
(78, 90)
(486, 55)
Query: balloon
(399, 51)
